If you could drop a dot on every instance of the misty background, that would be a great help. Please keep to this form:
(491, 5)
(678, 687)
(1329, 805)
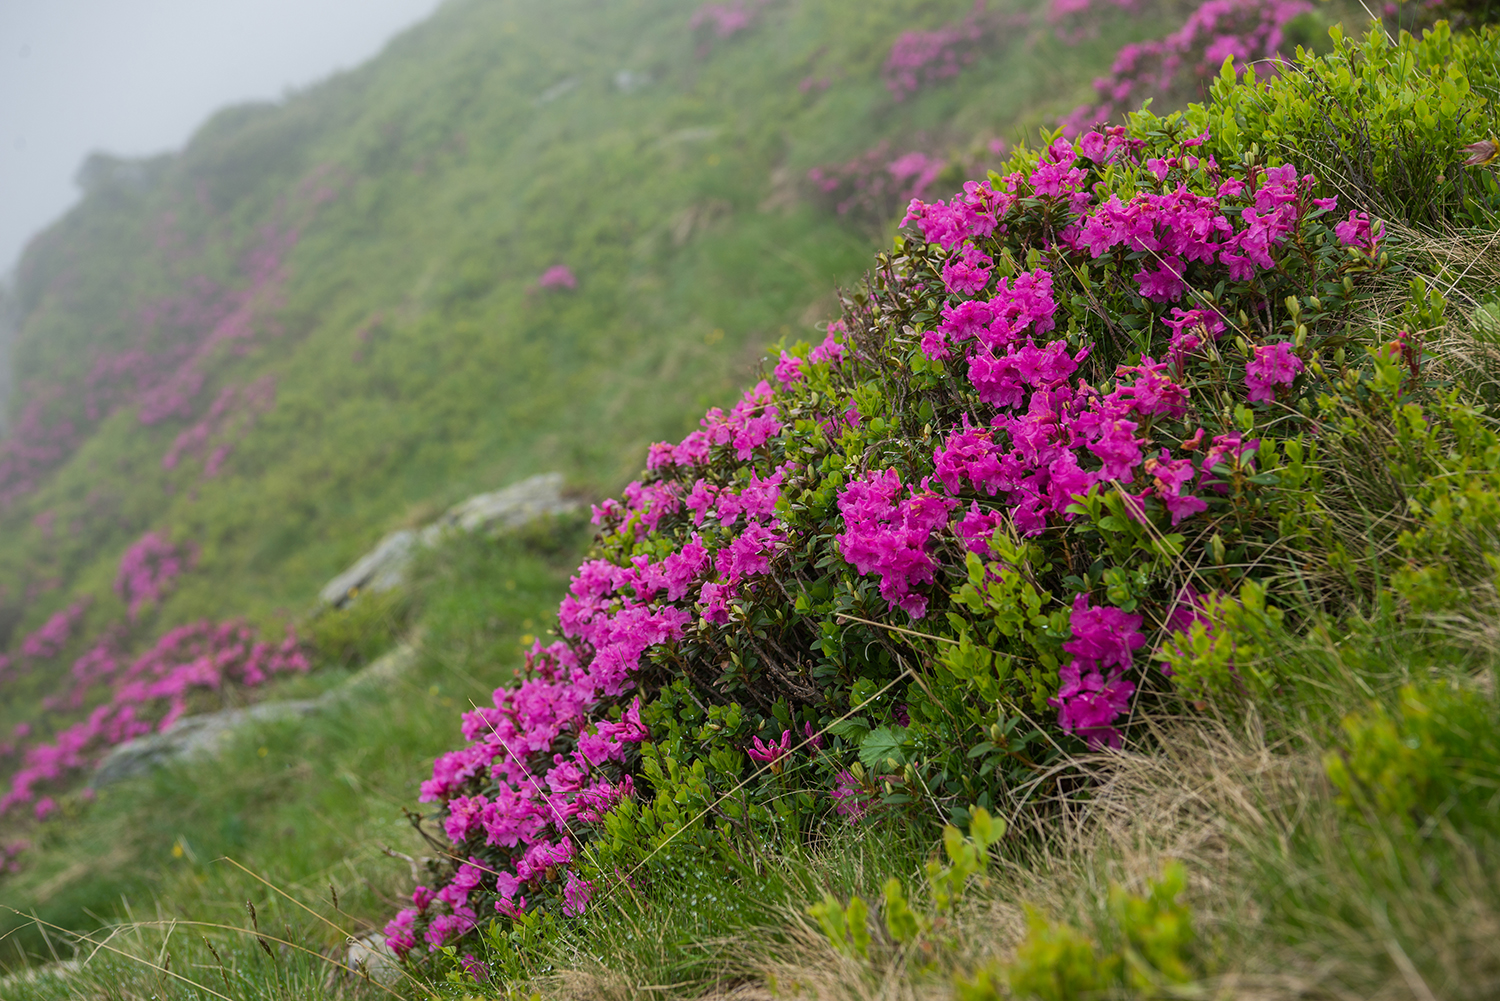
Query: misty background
(134, 78)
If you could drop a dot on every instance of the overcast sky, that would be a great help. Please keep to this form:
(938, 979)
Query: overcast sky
(135, 77)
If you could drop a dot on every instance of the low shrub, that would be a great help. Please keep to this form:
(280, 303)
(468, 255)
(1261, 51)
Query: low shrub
(361, 630)
(1072, 425)
(1386, 121)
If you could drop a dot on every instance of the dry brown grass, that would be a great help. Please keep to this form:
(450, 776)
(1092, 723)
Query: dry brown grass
(1288, 904)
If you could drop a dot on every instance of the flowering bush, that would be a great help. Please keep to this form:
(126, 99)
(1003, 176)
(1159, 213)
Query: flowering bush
(49, 640)
(1243, 31)
(872, 186)
(557, 276)
(147, 571)
(921, 58)
(148, 694)
(725, 20)
(977, 503)
(1352, 108)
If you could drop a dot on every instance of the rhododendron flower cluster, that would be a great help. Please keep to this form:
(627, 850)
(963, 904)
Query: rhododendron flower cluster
(921, 58)
(231, 416)
(10, 855)
(148, 569)
(49, 640)
(180, 339)
(726, 19)
(887, 533)
(874, 184)
(150, 693)
(899, 468)
(1072, 17)
(34, 443)
(557, 276)
(1245, 31)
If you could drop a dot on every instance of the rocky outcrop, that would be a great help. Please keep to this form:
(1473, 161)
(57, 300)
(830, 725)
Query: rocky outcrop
(384, 567)
(195, 738)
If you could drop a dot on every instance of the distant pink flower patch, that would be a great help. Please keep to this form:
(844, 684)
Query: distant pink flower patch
(1242, 30)
(49, 640)
(151, 694)
(726, 20)
(10, 855)
(875, 184)
(557, 276)
(45, 807)
(919, 58)
(148, 569)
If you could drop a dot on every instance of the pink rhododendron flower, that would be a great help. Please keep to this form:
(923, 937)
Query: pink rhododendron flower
(49, 640)
(831, 351)
(399, 934)
(771, 753)
(1273, 365)
(968, 273)
(850, 797)
(576, 895)
(888, 534)
(480, 972)
(557, 276)
(788, 369)
(1093, 693)
(445, 927)
(1171, 478)
(1191, 330)
(1356, 231)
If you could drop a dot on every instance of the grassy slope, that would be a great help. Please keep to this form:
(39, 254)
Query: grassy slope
(1290, 898)
(456, 189)
(457, 185)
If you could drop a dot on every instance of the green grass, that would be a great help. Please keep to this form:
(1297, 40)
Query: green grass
(308, 803)
(666, 203)
(415, 363)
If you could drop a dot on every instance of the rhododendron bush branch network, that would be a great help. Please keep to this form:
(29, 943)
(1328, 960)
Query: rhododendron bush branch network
(1006, 443)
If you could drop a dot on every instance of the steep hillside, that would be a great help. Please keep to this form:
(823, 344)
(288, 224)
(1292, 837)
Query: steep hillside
(327, 314)
(524, 238)
(531, 238)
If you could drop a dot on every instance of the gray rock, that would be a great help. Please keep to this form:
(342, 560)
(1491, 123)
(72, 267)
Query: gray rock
(369, 954)
(557, 90)
(509, 508)
(203, 736)
(191, 738)
(381, 569)
(34, 976)
(384, 567)
(630, 81)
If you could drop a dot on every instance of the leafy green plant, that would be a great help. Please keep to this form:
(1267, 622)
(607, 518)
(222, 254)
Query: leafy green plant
(1382, 121)
(1057, 962)
(361, 629)
(1431, 757)
(949, 883)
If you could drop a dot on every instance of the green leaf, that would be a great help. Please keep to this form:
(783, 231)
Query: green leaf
(852, 729)
(882, 743)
